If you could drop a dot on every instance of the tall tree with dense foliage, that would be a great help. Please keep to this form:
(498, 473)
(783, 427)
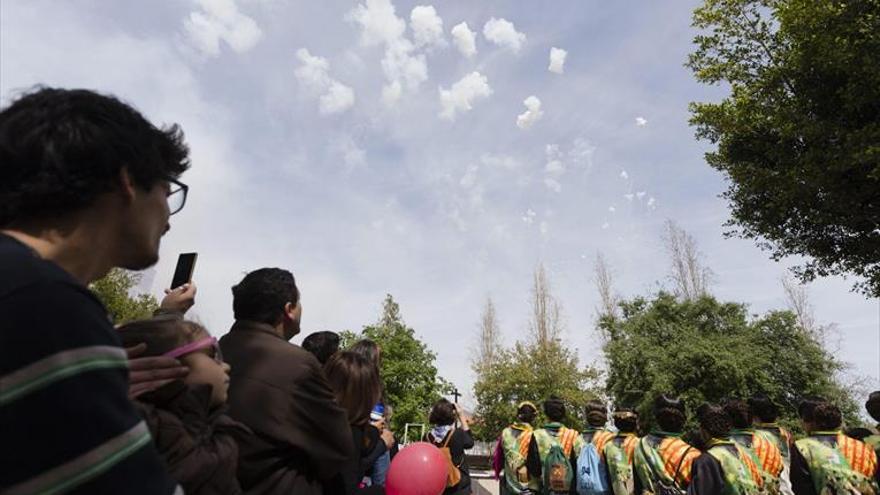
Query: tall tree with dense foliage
(115, 291)
(798, 137)
(408, 368)
(706, 350)
(533, 369)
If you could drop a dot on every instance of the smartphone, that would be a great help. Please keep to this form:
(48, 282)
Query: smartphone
(186, 263)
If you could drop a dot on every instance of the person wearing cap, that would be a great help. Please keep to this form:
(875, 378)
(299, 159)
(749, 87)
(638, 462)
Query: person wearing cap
(724, 468)
(619, 450)
(662, 458)
(597, 420)
(515, 440)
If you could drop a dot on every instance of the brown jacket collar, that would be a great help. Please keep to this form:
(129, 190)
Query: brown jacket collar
(255, 326)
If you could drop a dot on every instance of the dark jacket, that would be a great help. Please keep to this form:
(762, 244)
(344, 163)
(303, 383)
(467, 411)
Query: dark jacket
(460, 441)
(368, 447)
(195, 442)
(301, 436)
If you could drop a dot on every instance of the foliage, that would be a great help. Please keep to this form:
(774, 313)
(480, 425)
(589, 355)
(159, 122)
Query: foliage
(705, 350)
(408, 368)
(798, 137)
(114, 290)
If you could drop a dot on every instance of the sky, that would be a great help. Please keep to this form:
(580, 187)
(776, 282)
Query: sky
(438, 153)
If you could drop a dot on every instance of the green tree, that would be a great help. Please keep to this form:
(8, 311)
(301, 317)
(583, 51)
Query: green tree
(115, 291)
(706, 350)
(534, 369)
(798, 137)
(412, 383)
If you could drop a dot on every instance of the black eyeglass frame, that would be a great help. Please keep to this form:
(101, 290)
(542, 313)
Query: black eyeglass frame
(182, 187)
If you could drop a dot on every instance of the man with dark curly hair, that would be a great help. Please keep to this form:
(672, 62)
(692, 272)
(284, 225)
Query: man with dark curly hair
(86, 184)
(873, 408)
(724, 467)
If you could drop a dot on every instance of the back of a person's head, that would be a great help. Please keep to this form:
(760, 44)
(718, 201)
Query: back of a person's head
(807, 407)
(262, 294)
(859, 433)
(763, 409)
(322, 345)
(554, 409)
(368, 349)
(526, 412)
(873, 405)
(670, 413)
(738, 412)
(442, 413)
(826, 417)
(60, 149)
(597, 413)
(355, 382)
(714, 420)
(626, 420)
(160, 335)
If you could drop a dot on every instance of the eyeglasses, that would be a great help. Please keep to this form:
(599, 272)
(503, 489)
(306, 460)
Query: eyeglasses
(207, 342)
(176, 195)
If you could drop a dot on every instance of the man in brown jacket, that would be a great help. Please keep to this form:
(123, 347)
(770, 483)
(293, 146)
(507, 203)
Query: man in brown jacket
(301, 436)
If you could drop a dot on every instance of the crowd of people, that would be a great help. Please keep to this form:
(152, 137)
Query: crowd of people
(161, 406)
(740, 449)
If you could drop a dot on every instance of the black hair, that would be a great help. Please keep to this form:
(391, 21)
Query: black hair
(858, 433)
(596, 413)
(368, 349)
(160, 334)
(62, 148)
(670, 413)
(554, 408)
(808, 406)
(526, 413)
(322, 345)
(873, 405)
(714, 420)
(763, 408)
(442, 413)
(738, 412)
(626, 420)
(826, 416)
(262, 294)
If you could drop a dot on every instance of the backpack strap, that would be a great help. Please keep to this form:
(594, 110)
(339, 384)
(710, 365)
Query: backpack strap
(653, 468)
(525, 438)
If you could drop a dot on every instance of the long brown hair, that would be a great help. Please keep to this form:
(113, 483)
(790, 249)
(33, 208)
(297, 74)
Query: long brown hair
(355, 382)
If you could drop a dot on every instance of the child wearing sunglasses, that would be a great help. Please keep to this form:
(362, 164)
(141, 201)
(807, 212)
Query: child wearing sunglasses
(186, 417)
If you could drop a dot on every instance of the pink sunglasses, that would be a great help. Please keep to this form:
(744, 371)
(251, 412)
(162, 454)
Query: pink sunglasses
(207, 342)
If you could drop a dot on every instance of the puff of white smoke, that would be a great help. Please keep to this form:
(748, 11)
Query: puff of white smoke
(314, 74)
(629, 196)
(624, 175)
(427, 26)
(553, 184)
(221, 20)
(465, 39)
(652, 203)
(532, 114)
(555, 167)
(529, 217)
(557, 60)
(503, 33)
(641, 121)
(461, 96)
(611, 209)
(640, 194)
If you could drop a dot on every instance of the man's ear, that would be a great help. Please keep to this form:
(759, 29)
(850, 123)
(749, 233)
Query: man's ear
(126, 185)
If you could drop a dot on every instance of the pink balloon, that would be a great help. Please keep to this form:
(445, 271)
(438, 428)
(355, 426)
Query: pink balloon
(418, 469)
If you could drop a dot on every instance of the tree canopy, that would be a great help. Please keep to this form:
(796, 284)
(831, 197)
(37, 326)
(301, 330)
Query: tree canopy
(115, 291)
(408, 369)
(798, 137)
(706, 350)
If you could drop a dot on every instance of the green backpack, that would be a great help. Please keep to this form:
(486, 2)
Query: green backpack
(557, 471)
(831, 472)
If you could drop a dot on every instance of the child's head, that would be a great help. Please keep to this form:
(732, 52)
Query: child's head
(187, 341)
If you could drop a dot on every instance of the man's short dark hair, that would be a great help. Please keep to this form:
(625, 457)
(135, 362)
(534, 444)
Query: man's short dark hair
(62, 148)
(262, 294)
(826, 417)
(526, 412)
(442, 413)
(873, 405)
(322, 345)
(670, 413)
(597, 413)
(626, 420)
(738, 412)
(554, 408)
(763, 408)
(714, 420)
(807, 406)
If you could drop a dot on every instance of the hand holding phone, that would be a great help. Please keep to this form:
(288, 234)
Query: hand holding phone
(179, 300)
(186, 264)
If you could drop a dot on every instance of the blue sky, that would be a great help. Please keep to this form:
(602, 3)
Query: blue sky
(375, 147)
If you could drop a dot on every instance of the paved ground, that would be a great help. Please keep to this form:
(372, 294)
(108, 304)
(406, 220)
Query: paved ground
(483, 484)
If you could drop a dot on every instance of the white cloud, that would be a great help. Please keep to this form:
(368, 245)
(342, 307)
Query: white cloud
(427, 26)
(465, 39)
(629, 196)
(553, 184)
(500, 161)
(611, 209)
(624, 175)
(220, 20)
(555, 167)
(544, 227)
(352, 155)
(529, 216)
(605, 226)
(461, 96)
(503, 33)
(532, 114)
(641, 121)
(652, 203)
(378, 21)
(470, 177)
(404, 67)
(640, 194)
(557, 60)
(581, 153)
(314, 74)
